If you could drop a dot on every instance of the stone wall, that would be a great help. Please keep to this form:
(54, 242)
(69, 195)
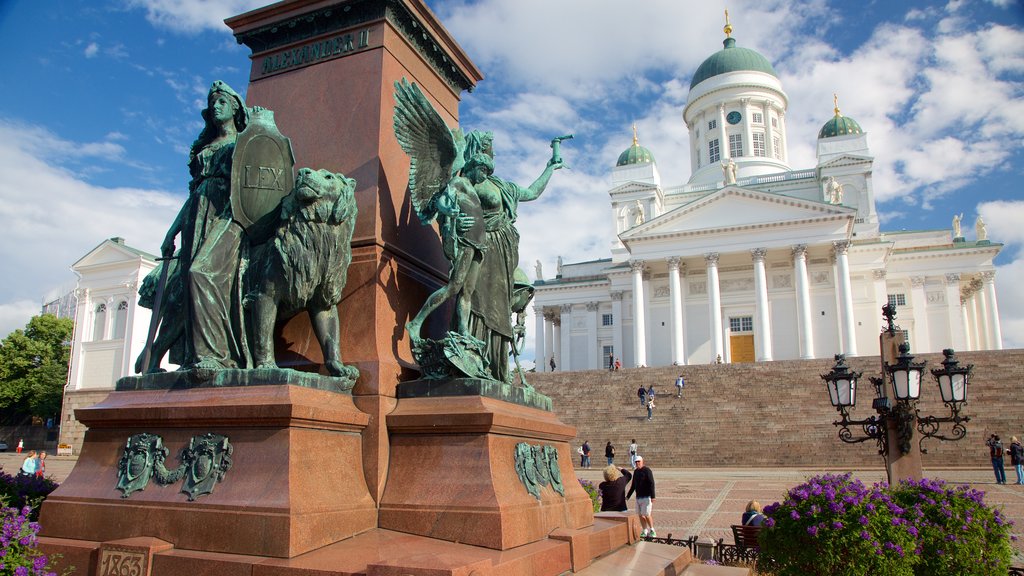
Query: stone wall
(72, 431)
(772, 413)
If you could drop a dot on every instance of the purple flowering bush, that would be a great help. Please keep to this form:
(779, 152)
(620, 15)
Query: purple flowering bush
(591, 490)
(18, 541)
(834, 525)
(957, 533)
(25, 491)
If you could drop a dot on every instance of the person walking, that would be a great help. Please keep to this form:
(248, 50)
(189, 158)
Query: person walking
(680, 383)
(995, 451)
(21, 445)
(611, 362)
(41, 465)
(643, 485)
(28, 467)
(586, 453)
(609, 453)
(632, 453)
(613, 489)
(650, 408)
(618, 364)
(1017, 458)
(650, 392)
(641, 393)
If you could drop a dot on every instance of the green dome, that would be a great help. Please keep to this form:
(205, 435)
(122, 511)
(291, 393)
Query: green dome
(635, 154)
(839, 125)
(731, 59)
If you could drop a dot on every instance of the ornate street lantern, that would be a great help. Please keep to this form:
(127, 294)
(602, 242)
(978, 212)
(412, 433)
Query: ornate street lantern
(905, 375)
(841, 384)
(952, 378)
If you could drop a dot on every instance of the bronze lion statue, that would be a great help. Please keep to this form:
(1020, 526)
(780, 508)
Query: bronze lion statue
(304, 266)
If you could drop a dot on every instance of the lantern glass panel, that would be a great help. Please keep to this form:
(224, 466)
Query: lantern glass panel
(914, 383)
(846, 388)
(945, 387)
(833, 396)
(899, 384)
(959, 387)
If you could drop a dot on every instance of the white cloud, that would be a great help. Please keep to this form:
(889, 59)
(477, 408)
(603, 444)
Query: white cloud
(92, 50)
(52, 217)
(191, 16)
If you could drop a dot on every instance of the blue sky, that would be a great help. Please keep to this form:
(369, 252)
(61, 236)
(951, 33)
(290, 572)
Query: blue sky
(102, 100)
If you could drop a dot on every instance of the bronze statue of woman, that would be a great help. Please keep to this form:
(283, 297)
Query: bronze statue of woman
(212, 243)
(491, 318)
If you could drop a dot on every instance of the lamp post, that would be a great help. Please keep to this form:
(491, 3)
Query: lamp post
(892, 428)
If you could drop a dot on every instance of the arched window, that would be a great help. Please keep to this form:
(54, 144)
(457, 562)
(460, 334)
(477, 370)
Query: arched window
(99, 322)
(121, 320)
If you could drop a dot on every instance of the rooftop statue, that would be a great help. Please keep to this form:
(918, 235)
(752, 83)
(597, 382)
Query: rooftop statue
(979, 227)
(956, 225)
(451, 180)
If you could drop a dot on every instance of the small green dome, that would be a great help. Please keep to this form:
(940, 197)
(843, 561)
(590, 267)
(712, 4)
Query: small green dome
(839, 125)
(731, 59)
(635, 154)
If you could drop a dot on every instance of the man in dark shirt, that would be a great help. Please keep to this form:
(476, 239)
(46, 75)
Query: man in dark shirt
(643, 485)
(586, 453)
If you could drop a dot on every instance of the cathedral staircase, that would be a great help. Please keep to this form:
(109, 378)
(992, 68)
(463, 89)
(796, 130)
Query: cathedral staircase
(771, 414)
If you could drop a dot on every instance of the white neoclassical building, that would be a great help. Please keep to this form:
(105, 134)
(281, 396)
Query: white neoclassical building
(753, 260)
(110, 327)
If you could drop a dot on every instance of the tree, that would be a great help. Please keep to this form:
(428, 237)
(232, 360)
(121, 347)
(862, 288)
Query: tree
(34, 368)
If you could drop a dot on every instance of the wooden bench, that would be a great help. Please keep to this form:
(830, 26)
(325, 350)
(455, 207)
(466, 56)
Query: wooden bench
(746, 536)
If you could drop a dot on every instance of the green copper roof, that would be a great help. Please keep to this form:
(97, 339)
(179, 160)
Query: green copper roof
(839, 125)
(635, 154)
(731, 59)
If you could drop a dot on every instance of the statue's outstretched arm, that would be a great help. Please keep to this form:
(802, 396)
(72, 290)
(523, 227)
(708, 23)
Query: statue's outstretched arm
(538, 186)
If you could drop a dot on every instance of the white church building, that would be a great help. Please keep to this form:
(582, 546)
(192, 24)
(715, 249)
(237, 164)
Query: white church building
(752, 260)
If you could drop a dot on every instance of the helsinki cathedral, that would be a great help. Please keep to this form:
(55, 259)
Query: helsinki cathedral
(754, 260)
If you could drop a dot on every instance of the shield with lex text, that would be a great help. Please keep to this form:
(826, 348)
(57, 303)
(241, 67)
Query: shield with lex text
(261, 169)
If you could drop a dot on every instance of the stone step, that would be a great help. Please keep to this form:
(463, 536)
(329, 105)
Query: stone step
(770, 414)
(643, 559)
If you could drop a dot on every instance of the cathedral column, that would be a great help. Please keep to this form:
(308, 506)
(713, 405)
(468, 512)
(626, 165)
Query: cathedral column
(965, 318)
(617, 339)
(748, 132)
(723, 136)
(768, 133)
(919, 300)
(954, 313)
(995, 334)
(565, 362)
(763, 333)
(982, 315)
(977, 315)
(803, 302)
(639, 325)
(849, 328)
(676, 301)
(593, 355)
(715, 307)
(549, 341)
(539, 353)
(556, 335)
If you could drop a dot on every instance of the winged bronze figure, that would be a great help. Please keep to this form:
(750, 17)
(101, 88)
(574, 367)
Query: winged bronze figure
(441, 187)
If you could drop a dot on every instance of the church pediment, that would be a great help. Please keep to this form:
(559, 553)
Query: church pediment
(631, 188)
(108, 252)
(733, 208)
(847, 160)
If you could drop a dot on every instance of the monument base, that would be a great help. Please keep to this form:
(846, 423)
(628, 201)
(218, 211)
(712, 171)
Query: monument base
(479, 470)
(291, 481)
(373, 553)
